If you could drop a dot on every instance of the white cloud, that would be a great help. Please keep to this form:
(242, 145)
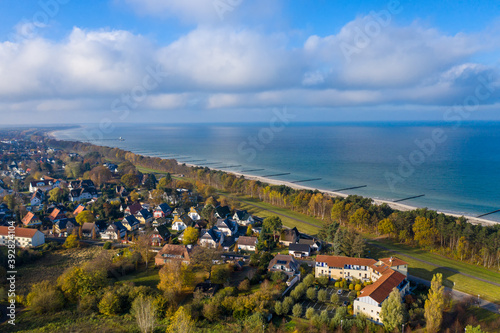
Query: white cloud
(218, 68)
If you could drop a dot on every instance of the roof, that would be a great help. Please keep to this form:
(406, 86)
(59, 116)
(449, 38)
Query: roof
(176, 250)
(224, 223)
(134, 208)
(55, 213)
(211, 234)
(309, 242)
(242, 215)
(19, 232)
(339, 261)
(299, 247)
(78, 210)
(393, 261)
(381, 288)
(131, 220)
(164, 208)
(88, 227)
(289, 235)
(163, 231)
(222, 211)
(29, 217)
(285, 260)
(249, 241)
(145, 213)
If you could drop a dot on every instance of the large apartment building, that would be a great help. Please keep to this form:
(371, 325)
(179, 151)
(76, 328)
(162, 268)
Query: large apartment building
(386, 274)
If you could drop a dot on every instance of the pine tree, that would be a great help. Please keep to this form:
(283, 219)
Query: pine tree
(393, 312)
(434, 304)
(337, 242)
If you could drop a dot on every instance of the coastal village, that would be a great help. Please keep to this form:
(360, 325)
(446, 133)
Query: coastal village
(54, 196)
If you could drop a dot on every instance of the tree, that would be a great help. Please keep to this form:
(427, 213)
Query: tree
(143, 246)
(278, 308)
(57, 195)
(45, 297)
(71, 242)
(157, 196)
(204, 258)
(311, 294)
(310, 313)
(221, 274)
(150, 182)
(434, 305)
(85, 217)
(476, 329)
(171, 280)
(287, 304)
(144, 310)
(334, 299)
(309, 280)
(77, 281)
(249, 230)
(297, 310)
(211, 311)
(358, 246)
(100, 175)
(425, 232)
(386, 226)
(322, 295)
(360, 217)
(337, 242)
(130, 180)
(164, 183)
(190, 236)
(272, 223)
(181, 322)
(393, 311)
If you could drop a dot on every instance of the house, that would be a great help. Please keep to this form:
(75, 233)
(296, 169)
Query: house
(84, 183)
(160, 235)
(31, 220)
(43, 185)
(90, 230)
(131, 223)
(336, 267)
(23, 237)
(289, 236)
(227, 226)
(115, 230)
(78, 210)
(133, 209)
(299, 250)
(181, 222)
(194, 214)
(313, 243)
(162, 210)
(86, 193)
(211, 238)
(144, 216)
(221, 212)
(172, 252)
(372, 296)
(179, 211)
(121, 191)
(247, 243)
(201, 224)
(228, 242)
(56, 214)
(159, 221)
(37, 198)
(243, 218)
(65, 226)
(286, 264)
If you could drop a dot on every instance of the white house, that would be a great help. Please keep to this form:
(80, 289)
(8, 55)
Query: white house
(114, 231)
(194, 214)
(247, 243)
(181, 222)
(227, 226)
(36, 198)
(212, 238)
(24, 237)
(242, 217)
(299, 250)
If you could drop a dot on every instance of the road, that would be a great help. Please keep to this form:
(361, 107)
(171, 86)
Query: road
(454, 293)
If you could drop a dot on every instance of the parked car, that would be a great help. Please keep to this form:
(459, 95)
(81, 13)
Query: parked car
(346, 303)
(339, 292)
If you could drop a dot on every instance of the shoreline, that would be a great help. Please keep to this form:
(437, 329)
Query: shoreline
(393, 205)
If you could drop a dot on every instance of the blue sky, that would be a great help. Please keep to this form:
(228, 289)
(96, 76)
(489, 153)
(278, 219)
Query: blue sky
(68, 61)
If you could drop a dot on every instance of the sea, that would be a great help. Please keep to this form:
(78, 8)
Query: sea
(447, 167)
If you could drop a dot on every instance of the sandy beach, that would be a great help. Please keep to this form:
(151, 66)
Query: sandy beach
(393, 205)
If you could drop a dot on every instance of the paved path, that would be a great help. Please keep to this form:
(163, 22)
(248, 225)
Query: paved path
(460, 296)
(430, 263)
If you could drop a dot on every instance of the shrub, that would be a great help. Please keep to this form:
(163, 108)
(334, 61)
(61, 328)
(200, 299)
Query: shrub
(334, 299)
(297, 310)
(88, 303)
(71, 242)
(337, 285)
(357, 287)
(211, 311)
(110, 304)
(45, 297)
(351, 286)
(323, 280)
(107, 246)
(311, 294)
(244, 285)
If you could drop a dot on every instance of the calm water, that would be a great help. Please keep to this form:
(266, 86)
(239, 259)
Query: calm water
(456, 168)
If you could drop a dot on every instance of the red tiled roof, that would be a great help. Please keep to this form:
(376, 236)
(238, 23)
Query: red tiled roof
(381, 288)
(338, 261)
(28, 218)
(78, 210)
(19, 232)
(54, 213)
(393, 261)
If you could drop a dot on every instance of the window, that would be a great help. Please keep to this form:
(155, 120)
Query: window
(359, 307)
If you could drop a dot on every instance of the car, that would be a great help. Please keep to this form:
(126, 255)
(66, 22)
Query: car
(339, 292)
(345, 303)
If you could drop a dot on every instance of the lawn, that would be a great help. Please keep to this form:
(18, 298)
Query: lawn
(149, 278)
(426, 271)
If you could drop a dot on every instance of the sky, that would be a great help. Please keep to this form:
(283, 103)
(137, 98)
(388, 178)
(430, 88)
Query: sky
(184, 61)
